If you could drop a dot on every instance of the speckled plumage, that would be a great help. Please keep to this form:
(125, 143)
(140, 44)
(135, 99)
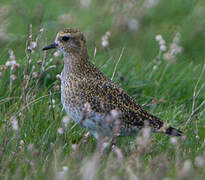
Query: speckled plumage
(82, 83)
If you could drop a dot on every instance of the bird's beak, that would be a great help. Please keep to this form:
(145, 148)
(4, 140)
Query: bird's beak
(51, 46)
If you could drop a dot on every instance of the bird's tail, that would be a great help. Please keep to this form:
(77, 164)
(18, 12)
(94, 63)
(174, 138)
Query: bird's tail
(166, 129)
(173, 132)
(161, 127)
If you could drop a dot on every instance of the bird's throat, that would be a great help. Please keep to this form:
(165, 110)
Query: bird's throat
(76, 63)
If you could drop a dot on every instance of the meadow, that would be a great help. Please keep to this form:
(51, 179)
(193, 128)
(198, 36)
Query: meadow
(153, 48)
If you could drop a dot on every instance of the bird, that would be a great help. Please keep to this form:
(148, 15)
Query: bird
(93, 100)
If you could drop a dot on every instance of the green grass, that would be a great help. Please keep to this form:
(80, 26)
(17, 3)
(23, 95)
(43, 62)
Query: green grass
(35, 150)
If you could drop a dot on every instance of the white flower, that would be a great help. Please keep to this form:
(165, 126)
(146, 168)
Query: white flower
(14, 123)
(105, 39)
(33, 45)
(173, 140)
(163, 48)
(52, 104)
(105, 43)
(56, 54)
(14, 65)
(108, 33)
(174, 48)
(167, 56)
(58, 76)
(13, 77)
(60, 131)
(11, 55)
(154, 67)
(21, 142)
(53, 101)
(66, 120)
(65, 168)
(41, 30)
(162, 42)
(8, 63)
(158, 37)
(35, 74)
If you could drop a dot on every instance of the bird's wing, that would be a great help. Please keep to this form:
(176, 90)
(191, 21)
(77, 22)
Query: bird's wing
(106, 96)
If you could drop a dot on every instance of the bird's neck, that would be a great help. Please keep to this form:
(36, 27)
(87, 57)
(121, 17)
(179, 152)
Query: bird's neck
(76, 63)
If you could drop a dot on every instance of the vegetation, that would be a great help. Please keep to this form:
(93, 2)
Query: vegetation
(160, 49)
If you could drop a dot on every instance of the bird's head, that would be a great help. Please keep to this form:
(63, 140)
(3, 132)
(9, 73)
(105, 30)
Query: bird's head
(69, 41)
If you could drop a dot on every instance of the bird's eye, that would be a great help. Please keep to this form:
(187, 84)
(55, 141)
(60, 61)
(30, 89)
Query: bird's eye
(66, 38)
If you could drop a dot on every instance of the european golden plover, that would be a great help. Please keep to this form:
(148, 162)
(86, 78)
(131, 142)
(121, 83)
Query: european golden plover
(91, 99)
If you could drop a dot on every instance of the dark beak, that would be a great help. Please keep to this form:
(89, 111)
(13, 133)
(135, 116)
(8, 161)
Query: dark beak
(51, 46)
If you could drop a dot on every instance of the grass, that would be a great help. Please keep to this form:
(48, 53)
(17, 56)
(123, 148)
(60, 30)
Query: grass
(35, 142)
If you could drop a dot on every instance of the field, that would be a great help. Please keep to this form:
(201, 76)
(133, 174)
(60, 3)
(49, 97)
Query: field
(153, 48)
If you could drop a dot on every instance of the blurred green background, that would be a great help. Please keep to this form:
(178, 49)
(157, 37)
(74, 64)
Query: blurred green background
(133, 24)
